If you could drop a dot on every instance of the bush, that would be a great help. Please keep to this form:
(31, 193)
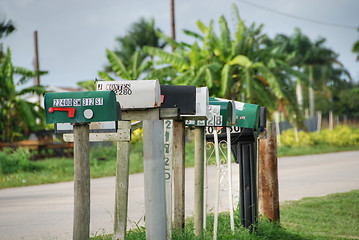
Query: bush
(15, 161)
(341, 136)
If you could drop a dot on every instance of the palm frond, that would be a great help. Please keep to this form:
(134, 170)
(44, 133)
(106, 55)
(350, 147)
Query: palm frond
(171, 58)
(117, 65)
(105, 76)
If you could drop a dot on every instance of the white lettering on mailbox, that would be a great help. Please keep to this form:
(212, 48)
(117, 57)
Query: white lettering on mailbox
(88, 102)
(99, 101)
(77, 102)
(62, 102)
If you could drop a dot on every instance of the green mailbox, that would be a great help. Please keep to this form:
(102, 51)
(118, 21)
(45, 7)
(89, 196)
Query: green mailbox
(220, 114)
(247, 115)
(81, 107)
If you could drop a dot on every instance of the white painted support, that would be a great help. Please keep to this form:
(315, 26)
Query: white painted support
(154, 178)
(229, 162)
(205, 185)
(168, 141)
(216, 204)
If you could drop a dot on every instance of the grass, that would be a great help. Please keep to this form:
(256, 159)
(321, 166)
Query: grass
(335, 216)
(103, 163)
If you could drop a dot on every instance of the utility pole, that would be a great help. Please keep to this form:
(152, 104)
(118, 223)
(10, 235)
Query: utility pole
(36, 64)
(36, 61)
(173, 25)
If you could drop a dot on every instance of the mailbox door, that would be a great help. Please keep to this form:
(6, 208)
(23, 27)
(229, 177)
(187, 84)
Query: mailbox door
(181, 97)
(224, 118)
(202, 102)
(134, 94)
(247, 115)
(80, 107)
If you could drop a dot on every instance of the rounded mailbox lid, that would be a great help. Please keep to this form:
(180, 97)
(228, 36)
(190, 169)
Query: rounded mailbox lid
(134, 94)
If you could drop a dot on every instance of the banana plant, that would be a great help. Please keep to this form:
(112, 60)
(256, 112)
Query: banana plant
(232, 67)
(18, 116)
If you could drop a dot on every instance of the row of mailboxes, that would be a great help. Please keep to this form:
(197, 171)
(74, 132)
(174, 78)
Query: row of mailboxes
(111, 97)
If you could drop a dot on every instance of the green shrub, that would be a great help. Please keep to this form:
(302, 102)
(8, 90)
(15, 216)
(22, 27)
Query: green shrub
(341, 136)
(15, 161)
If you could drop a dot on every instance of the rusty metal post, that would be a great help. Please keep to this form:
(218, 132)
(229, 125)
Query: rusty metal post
(268, 176)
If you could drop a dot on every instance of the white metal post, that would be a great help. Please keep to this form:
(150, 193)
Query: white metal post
(168, 141)
(229, 162)
(154, 177)
(205, 183)
(216, 204)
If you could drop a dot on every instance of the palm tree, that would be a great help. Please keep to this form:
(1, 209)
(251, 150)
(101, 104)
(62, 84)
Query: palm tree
(6, 28)
(18, 116)
(141, 33)
(230, 67)
(139, 67)
(355, 48)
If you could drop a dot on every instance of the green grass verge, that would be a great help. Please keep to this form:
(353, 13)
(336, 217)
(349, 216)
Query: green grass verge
(334, 216)
(103, 163)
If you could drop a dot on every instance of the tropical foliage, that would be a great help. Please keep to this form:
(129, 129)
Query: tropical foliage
(232, 67)
(17, 116)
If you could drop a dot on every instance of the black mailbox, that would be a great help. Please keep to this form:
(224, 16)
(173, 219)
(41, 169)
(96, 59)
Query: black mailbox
(181, 97)
(244, 150)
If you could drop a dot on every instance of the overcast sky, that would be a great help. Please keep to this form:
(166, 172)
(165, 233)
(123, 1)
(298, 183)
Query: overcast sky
(73, 34)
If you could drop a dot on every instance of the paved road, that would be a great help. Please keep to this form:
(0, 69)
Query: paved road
(46, 211)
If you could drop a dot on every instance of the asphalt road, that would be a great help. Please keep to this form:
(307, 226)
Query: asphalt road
(46, 211)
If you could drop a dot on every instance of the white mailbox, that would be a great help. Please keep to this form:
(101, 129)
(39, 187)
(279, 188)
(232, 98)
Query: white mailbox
(202, 102)
(134, 94)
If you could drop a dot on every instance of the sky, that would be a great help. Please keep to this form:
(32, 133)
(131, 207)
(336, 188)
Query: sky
(73, 34)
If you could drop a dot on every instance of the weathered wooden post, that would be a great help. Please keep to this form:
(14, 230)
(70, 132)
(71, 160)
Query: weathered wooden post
(122, 176)
(179, 174)
(268, 176)
(81, 227)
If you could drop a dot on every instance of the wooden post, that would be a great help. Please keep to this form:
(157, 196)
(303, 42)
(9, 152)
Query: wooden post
(121, 194)
(81, 228)
(268, 176)
(173, 24)
(179, 174)
(36, 61)
(198, 180)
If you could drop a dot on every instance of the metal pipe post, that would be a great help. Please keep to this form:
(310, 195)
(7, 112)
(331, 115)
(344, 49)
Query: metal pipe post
(154, 177)
(198, 180)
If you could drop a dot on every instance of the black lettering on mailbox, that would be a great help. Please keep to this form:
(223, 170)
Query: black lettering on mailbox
(167, 147)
